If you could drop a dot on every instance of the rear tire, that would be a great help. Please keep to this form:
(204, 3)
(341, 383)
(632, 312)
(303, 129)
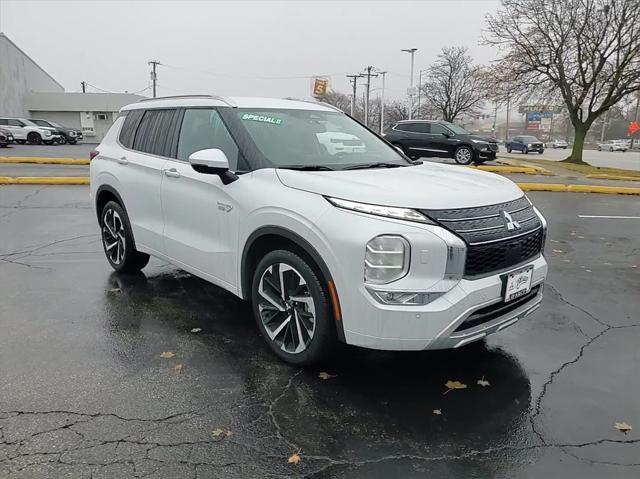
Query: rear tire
(117, 240)
(463, 155)
(34, 138)
(292, 310)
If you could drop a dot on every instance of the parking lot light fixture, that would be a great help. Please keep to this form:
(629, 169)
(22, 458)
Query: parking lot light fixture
(412, 51)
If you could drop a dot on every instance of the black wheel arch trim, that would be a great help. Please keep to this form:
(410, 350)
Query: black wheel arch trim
(302, 243)
(115, 193)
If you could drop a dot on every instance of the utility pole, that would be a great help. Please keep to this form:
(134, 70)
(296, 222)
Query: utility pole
(412, 51)
(506, 133)
(366, 101)
(420, 86)
(636, 118)
(604, 126)
(83, 84)
(382, 104)
(154, 76)
(354, 83)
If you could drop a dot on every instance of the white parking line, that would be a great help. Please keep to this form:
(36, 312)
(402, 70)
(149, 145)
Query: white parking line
(611, 217)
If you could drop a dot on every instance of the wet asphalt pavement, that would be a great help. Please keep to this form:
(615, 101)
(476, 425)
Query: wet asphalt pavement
(84, 391)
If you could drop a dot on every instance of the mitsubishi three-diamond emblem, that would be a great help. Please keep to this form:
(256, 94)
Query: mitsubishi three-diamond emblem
(509, 222)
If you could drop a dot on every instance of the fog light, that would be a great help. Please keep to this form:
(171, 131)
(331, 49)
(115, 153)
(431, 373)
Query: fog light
(404, 298)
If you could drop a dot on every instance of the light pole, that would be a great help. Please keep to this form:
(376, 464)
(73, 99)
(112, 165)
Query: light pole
(382, 104)
(420, 86)
(412, 51)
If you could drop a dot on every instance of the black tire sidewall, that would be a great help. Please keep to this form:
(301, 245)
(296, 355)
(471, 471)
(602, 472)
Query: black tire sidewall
(34, 139)
(133, 259)
(324, 337)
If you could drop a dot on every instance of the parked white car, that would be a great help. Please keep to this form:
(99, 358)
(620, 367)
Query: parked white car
(559, 144)
(24, 130)
(364, 247)
(613, 145)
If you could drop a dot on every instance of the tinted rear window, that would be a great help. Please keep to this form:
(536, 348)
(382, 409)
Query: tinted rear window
(154, 133)
(414, 127)
(128, 129)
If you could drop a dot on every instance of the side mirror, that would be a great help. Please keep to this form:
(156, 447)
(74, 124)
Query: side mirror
(212, 161)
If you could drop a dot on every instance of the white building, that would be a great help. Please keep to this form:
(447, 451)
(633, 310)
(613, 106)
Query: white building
(27, 91)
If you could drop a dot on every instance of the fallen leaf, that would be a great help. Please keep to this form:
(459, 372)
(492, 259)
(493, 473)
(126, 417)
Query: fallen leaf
(634, 265)
(324, 375)
(607, 264)
(454, 385)
(623, 427)
(437, 412)
(483, 383)
(115, 290)
(196, 330)
(294, 458)
(588, 270)
(558, 251)
(167, 355)
(177, 368)
(221, 433)
(581, 237)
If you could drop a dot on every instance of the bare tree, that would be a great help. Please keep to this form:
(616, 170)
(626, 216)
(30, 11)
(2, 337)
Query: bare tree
(337, 99)
(587, 52)
(454, 86)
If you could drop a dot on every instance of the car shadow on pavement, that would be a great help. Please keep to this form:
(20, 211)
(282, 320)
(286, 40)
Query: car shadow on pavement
(373, 404)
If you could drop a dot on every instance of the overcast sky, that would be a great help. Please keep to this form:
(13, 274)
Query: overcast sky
(241, 47)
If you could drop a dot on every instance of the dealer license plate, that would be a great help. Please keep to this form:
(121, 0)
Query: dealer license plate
(518, 284)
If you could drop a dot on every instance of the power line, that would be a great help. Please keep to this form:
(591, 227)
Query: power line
(247, 77)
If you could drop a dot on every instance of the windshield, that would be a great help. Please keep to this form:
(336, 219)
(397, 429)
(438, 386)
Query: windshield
(305, 138)
(529, 138)
(40, 122)
(458, 130)
(28, 122)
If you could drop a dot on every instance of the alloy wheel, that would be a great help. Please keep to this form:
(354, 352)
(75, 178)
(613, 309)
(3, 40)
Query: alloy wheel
(286, 308)
(463, 155)
(113, 236)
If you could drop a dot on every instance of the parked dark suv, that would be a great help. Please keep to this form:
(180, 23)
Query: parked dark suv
(68, 135)
(525, 144)
(419, 138)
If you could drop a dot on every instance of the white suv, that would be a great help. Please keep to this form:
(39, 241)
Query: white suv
(24, 130)
(360, 246)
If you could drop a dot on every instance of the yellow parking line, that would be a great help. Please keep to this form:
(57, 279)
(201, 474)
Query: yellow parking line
(43, 160)
(612, 190)
(44, 180)
(527, 170)
(602, 176)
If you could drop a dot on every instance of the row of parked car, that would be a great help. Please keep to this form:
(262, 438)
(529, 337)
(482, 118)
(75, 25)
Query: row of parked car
(36, 132)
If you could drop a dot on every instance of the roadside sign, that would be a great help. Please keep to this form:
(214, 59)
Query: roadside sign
(320, 86)
(634, 127)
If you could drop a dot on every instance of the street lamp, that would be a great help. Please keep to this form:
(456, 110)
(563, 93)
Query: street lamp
(420, 86)
(412, 51)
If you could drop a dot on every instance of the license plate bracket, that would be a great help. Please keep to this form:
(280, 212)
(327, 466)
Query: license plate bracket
(516, 284)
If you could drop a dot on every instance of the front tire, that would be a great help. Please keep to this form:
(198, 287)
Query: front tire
(292, 310)
(117, 240)
(508, 149)
(541, 151)
(62, 140)
(463, 155)
(525, 151)
(34, 139)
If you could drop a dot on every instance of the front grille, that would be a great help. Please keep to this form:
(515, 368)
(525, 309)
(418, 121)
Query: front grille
(482, 259)
(491, 312)
(495, 240)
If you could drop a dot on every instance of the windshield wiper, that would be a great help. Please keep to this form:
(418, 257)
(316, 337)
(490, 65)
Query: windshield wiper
(306, 167)
(373, 165)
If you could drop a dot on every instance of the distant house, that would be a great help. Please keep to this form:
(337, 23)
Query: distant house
(27, 90)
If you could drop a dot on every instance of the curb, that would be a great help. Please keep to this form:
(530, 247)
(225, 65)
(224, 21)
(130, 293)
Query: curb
(614, 177)
(557, 187)
(43, 160)
(527, 170)
(44, 180)
(611, 190)
(518, 164)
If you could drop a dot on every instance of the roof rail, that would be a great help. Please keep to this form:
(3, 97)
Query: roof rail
(328, 105)
(173, 97)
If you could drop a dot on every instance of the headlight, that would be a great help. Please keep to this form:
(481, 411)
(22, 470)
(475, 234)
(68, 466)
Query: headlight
(47, 133)
(377, 210)
(529, 145)
(386, 259)
(480, 141)
(72, 133)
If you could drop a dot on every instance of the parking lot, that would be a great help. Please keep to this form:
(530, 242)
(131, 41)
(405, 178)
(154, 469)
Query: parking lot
(88, 392)
(628, 160)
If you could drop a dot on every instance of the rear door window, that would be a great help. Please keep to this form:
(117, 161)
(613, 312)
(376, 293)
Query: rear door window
(202, 128)
(439, 129)
(154, 132)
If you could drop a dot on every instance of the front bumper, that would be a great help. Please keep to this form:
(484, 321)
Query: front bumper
(439, 324)
(487, 153)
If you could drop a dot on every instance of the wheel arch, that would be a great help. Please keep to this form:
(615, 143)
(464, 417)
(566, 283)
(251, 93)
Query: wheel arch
(268, 238)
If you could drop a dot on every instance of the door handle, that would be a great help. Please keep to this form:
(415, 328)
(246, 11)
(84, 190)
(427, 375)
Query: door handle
(172, 173)
(123, 160)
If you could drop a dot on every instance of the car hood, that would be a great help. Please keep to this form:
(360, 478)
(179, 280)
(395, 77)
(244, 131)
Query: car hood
(428, 186)
(480, 138)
